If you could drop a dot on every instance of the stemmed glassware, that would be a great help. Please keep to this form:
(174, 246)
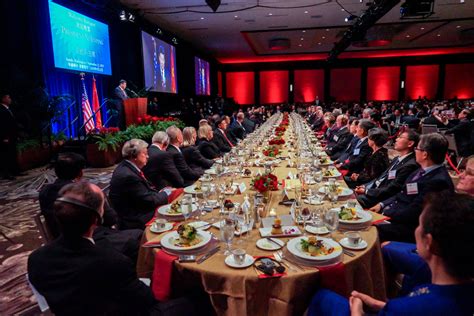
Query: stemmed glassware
(305, 214)
(331, 220)
(227, 228)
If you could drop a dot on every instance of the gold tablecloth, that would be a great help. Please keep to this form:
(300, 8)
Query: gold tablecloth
(241, 292)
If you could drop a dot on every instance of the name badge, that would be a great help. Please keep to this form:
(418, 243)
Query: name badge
(412, 188)
(336, 138)
(392, 174)
(356, 152)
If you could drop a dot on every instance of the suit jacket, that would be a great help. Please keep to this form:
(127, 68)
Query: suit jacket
(78, 278)
(431, 120)
(161, 169)
(208, 149)
(120, 94)
(238, 130)
(374, 166)
(341, 140)
(404, 208)
(388, 188)
(133, 197)
(341, 155)
(220, 141)
(249, 125)
(195, 159)
(462, 134)
(8, 126)
(189, 175)
(356, 161)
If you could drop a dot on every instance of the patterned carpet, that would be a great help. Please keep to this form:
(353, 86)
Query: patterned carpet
(19, 234)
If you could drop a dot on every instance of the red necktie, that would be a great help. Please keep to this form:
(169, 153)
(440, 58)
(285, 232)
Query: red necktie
(231, 145)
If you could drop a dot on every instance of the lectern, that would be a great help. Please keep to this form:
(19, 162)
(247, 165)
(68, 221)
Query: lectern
(134, 108)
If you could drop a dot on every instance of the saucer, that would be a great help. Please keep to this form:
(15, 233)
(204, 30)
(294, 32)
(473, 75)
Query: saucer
(248, 261)
(154, 229)
(345, 243)
(316, 230)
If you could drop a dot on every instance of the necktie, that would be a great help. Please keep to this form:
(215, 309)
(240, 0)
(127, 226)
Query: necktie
(358, 143)
(418, 175)
(225, 136)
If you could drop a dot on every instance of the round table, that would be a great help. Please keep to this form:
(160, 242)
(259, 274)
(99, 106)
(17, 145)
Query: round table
(241, 292)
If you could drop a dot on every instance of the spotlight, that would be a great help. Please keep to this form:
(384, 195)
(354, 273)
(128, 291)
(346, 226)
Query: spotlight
(417, 8)
(350, 18)
(213, 4)
(174, 40)
(131, 17)
(159, 31)
(123, 15)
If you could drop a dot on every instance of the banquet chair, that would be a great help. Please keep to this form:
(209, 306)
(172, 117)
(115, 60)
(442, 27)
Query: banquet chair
(40, 299)
(428, 128)
(43, 228)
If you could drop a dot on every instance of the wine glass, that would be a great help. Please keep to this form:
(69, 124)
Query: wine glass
(305, 214)
(227, 227)
(331, 220)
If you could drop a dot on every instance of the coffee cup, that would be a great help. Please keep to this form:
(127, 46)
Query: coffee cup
(239, 256)
(353, 238)
(160, 223)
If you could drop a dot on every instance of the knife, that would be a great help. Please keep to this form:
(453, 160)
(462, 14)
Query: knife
(350, 254)
(208, 255)
(276, 243)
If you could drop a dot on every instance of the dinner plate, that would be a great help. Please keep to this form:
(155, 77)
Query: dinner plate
(191, 190)
(344, 193)
(316, 230)
(154, 229)
(169, 240)
(287, 231)
(336, 174)
(294, 247)
(265, 244)
(363, 216)
(248, 261)
(163, 210)
(345, 243)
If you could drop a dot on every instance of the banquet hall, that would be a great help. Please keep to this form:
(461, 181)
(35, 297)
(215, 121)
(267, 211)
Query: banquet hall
(224, 157)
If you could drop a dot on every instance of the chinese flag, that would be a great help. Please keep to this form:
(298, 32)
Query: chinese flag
(173, 75)
(95, 105)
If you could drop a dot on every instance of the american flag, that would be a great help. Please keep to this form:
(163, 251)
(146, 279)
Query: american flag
(86, 110)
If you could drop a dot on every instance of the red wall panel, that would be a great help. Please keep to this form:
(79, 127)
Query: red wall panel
(459, 81)
(219, 83)
(383, 83)
(345, 84)
(241, 86)
(308, 85)
(274, 86)
(421, 81)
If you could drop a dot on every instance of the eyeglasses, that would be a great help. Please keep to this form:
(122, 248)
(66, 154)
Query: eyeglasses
(419, 149)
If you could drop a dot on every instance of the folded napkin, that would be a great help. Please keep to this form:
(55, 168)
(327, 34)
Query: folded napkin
(162, 273)
(262, 275)
(385, 218)
(152, 244)
(334, 278)
(174, 195)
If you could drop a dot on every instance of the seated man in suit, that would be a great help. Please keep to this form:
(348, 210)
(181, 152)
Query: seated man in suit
(220, 137)
(205, 144)
(362, 150)
(341, 138)
(68, 169)
(248, 124)
(405, 207)
(237, 128)
(77, 277)
(133, 197)
(161, 169)
(176, 140)
(392, 180)
(342, 154)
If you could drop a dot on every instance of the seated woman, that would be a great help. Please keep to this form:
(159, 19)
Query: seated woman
(207, 148)
(191, 153)
(376, 163)
(445, 241)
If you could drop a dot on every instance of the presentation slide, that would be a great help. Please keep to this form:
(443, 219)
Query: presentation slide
(159, 64)
(201, 71)
(79, 43)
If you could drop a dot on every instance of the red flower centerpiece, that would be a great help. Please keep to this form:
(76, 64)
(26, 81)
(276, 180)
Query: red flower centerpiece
(271, 151)
(280, 129)
(265, 183)
(276, 141)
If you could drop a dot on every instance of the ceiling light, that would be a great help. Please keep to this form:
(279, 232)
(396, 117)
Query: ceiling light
(306, 12)
(304, 31)
(422, 28)
(301, 39)
(159, 31)
(202, 18)
(319, 43)
(270, 13)
(300, 45)
(343, 10)
(131, 17)
(458, 26)
(438, 35)
(350, 18)
(407, 36)
(327, 30)
(123, 15)
(462, 1)
(324, 37)
(236, 16)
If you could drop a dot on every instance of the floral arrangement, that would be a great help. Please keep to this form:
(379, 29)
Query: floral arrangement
(271, 151)
(280, 129)
(266, 182)
(278, 133)
(147, 119)
(108, 130)
(276, 141)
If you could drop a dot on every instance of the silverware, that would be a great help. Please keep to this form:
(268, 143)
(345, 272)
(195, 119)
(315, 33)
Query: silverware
(209, 254)
(276, 243)
(280, 253)
(347, 252)
(279, 259)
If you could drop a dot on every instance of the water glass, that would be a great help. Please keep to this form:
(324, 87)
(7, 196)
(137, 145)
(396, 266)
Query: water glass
(227, 228)
(331, 220)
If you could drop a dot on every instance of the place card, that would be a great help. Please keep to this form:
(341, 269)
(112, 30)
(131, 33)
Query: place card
(241, 188)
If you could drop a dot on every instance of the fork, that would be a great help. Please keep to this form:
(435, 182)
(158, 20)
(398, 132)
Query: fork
(278, 258)
(280, 253)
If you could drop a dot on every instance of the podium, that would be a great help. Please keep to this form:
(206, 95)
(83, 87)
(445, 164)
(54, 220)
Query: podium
(134, 108)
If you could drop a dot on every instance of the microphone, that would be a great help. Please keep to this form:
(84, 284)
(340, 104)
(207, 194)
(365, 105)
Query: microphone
(135, 95)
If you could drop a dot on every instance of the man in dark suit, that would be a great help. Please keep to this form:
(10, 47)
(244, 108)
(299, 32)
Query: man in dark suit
(355, 161)
(8, 139)
(133, 197)
(248, 124)
(237, 128)
(120, 95)
(463, 132)
(77, 277)
(341, 155)
(341, 138)
(404, 208)
(161, 169)
(392, 180)
(68, 169)
(176, 140)
(220, 138)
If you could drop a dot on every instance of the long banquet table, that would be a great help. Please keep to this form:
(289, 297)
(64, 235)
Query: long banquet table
(241, 292)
